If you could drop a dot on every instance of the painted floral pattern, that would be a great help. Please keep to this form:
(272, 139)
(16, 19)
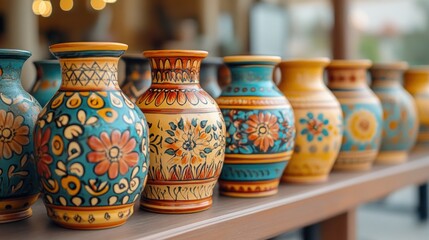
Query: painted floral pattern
(112, 154)
(314, 127)
(13, 134)
(259, 131)
(158, 97)
(41, 142)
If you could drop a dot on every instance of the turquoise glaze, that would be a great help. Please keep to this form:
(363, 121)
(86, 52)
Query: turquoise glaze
(48, 80)
(260, 129)
(91, 143)
(19, 186)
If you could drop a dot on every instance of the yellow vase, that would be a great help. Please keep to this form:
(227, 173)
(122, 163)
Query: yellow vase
(416, 82)
(318, 119)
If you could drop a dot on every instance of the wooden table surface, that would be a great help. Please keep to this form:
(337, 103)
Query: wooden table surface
(293, 207)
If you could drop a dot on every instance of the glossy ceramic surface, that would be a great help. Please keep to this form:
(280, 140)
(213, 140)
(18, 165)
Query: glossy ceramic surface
(48, 80)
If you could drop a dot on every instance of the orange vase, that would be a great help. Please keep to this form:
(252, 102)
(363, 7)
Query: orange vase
(416, 82)
(318, 120)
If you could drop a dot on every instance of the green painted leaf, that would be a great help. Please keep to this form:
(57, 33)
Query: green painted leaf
(171, 133)
(169, 140)
(172, 126)
(170, 151)
(203, 123)
(207, 150)
(194, 122)
(208, 129)
(180, 124)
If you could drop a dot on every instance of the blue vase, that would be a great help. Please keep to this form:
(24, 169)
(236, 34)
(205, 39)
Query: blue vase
(260, 128)
(91, 141)
(48, 80)
(19, 187)
(400, 121)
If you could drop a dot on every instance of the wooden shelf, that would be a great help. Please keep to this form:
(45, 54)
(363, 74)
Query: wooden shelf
(293, 207)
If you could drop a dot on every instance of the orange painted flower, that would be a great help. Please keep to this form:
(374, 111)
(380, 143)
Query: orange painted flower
(114, 155)
(263, 130)
(41, 142)
(13, 135)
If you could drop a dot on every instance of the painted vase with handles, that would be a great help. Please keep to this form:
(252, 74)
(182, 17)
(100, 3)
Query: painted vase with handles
(19, 186)
(318, 120)
(260, 128)
(91, 141)
(400, 121)
(137, 76)
(48, 80)
(362, 114)
(187, 134)
(416, 82)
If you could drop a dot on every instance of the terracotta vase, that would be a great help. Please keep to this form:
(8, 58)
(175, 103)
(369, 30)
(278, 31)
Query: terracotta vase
(19, 187)
(91, 141)
(209, 76)
(400, 122)
(137, 76)
(416, 82)
(318, 120)
(48, 80)
(362, 114)
(187, 135)
(260, 128)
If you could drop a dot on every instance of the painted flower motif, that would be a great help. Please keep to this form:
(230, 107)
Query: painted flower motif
(263, 130)
(41, 143)
(13, 135)
(362, 126)
(113, 155)
(171, 96)
(189, 141)
(314, 127)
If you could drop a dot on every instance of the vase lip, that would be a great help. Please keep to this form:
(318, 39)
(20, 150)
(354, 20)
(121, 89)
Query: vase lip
(87, 46)
(47, 62)
(305, 62)
(175, 53)
(422, 69)
(251, 59)
(350, 63)
(14, 53)
(399, 65)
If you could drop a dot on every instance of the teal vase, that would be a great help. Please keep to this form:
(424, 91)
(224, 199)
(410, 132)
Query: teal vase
(400, 121)
(91, 141)
(260, 128)
(48, 80)
(19, 187)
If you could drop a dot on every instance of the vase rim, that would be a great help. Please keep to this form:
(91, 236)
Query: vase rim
(305, 62)
(14, 53)
(251, 58)
(345, 63)
(87, 46)
(175, 53)
(418, 70)
(399, 65)
(47, 61)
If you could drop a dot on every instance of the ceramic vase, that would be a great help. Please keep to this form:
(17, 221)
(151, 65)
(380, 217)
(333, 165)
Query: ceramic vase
(416, 82)
(318, 120)
(91, 141)
(362, 114)
(400, 122)
(260, 128)
(187, 134)
(137, 76)
(209, 76)
(48, 80)
(19, 187)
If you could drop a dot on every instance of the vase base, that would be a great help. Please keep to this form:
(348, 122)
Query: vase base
(353, 167)
(392, 157)
(16, 209)
(249, 189)
(355, 160)
(90, 218)
(305, 179)
(179, 206)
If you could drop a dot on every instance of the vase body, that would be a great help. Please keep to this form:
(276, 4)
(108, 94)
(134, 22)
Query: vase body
(416, 82)
(48, 80)
(91, 141)
(400, 122)
(260, 128)
(137, 76)
(362, 114)
(19, 187)
(318, 120)
(209, 76)
(187, 135)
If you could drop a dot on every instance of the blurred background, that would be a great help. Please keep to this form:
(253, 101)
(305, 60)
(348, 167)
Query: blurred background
(380, 30)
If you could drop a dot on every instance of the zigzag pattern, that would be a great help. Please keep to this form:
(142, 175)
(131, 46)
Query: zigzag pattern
(84, 75)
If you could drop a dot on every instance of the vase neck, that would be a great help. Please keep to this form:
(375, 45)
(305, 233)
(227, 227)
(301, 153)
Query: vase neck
(89, 74)
(137, 69)
(347, 78)
(10, 71)
(251, 73)
(175, 70)
(386, 78)
(296, 78)
(48, 70)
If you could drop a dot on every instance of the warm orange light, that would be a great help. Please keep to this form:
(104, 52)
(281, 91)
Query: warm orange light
(47, 9)
(110, 1)
(35, 6)
(66, 5)
(98, 4)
